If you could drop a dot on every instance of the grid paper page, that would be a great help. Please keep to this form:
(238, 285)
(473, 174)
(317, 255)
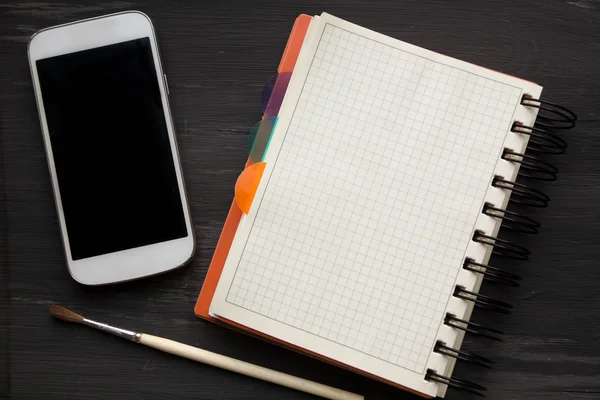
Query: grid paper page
(366, 216)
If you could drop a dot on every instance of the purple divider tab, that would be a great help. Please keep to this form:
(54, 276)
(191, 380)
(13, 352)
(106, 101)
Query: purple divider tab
(273, 93)
(271, 98)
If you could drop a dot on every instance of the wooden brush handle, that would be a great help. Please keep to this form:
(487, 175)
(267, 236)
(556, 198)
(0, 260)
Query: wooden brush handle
(255, 371)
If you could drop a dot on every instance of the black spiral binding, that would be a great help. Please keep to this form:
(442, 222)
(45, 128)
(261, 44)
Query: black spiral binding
(543, 140)
(512, 220)
(472, 327)
(461, 384)
(551, 115)
(521, 193)
(502, 247)
(482, 301)
(492, 274)
(441, 348)
(531, 167)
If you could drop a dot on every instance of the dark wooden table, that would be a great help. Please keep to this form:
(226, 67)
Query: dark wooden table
(217, 55)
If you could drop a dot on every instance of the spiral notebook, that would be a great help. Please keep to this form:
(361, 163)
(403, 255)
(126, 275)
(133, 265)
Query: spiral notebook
(370, 218)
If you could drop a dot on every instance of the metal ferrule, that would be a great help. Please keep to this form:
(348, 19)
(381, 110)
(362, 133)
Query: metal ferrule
(124, 333)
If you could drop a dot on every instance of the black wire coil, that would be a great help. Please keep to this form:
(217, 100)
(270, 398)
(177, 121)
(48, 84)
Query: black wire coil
(543, 139)
(472, 327)
(511, 219)
(492, 274)
(531, 166)
(551, 115)
(461, 384)
(502, 247)
(522, 194)
(482, 301)
(441, 348)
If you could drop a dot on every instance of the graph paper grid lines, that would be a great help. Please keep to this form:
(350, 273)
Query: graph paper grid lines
(373, 198)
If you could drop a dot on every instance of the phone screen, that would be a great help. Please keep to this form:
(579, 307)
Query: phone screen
(110, 143)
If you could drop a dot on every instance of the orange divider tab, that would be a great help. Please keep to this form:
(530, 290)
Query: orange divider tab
(292, 47)
(246, 185)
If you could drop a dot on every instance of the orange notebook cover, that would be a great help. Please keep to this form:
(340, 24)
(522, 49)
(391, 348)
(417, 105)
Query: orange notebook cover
(286, 65)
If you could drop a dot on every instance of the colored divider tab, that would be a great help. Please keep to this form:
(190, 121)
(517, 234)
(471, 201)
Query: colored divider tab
(273, 93)
(287, 64)
(246, 185)
(260, 137)
(271, 99)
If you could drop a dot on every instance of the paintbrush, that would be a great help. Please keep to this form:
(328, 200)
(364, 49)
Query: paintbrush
(207, 357)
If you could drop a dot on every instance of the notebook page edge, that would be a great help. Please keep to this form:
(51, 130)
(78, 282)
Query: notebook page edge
(437, 57)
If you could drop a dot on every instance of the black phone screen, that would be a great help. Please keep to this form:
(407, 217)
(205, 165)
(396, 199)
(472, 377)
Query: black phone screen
(111, 149)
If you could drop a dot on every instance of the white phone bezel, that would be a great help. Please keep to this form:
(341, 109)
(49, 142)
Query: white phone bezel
(88, 34)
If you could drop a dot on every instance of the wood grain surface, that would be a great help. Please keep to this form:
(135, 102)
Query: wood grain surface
(217, 55)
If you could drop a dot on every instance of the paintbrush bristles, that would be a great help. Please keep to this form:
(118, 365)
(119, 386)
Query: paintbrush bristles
(65, 314)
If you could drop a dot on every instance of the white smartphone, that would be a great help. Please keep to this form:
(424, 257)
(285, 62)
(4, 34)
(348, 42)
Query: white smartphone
(103, 104)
